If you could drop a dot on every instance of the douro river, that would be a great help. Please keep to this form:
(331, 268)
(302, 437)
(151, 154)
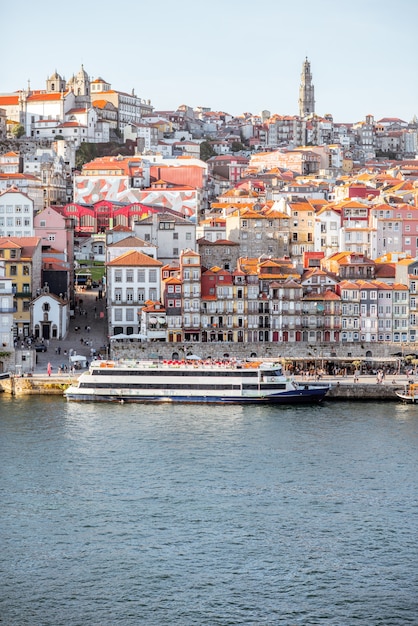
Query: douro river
(208, 515)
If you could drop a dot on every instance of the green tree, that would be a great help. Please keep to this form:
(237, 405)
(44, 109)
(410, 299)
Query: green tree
(237, 146)
(18, 131)
(206, 151)
(86, 153)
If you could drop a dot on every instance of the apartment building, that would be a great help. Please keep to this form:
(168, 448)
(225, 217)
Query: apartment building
(16, 214)
(258, 232)
(22, 261)
(190, 274)
(172, 299)
(302, 230)
(133, 279)
(168, 232)
(6, 315)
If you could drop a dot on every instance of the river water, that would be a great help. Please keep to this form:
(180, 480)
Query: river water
(208, 515)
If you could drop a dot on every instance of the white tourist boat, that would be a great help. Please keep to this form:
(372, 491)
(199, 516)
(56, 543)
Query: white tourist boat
(254, 382)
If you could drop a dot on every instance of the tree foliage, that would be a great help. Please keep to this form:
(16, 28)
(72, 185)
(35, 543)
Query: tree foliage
(86, 153)
(237, 146)
(18, 131)
(206, 151)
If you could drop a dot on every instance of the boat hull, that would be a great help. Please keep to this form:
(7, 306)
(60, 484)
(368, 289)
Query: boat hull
(311, 396)
(407, 398)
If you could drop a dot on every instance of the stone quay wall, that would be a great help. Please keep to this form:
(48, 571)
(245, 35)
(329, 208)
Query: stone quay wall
(127, 349)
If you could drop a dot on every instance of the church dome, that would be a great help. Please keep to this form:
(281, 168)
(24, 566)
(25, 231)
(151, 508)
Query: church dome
(82, 74)
(55, 76)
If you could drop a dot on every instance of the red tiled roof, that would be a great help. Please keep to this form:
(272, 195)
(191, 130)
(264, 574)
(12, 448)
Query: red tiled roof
(9, 100)
(134, 258)
(40, 97)
(71, 125)
(17, 176)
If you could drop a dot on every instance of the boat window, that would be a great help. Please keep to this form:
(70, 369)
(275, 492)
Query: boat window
(275, 372)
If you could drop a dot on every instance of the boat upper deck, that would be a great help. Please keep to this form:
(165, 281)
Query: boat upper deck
(195, 365)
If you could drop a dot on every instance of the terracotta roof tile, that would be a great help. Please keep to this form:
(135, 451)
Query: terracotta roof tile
(134, 258)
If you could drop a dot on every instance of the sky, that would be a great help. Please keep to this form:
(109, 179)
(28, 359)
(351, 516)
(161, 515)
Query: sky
(228, 55)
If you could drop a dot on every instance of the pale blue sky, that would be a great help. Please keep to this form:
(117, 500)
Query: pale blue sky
(229, 55)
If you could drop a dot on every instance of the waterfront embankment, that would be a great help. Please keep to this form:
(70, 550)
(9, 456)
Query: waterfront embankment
(342, 388)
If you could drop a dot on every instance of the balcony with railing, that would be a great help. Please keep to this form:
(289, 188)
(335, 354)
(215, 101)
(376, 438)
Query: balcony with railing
(22, 294)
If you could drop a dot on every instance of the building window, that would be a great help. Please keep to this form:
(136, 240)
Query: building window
(13, 270)
(118, 276)
(152, 276)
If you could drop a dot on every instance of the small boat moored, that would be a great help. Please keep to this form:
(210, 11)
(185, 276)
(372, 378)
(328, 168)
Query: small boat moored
(410, 394)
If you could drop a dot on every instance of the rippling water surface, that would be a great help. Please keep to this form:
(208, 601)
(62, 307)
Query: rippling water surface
(204, 515)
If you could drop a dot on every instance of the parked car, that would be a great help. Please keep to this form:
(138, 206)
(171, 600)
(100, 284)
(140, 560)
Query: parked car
(40, 347)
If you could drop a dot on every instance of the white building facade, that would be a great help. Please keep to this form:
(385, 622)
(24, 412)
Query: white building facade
(132, 279)
(16, 214)
(50, 316)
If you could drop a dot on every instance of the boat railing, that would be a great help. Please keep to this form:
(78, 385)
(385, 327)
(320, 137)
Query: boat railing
(203, 364)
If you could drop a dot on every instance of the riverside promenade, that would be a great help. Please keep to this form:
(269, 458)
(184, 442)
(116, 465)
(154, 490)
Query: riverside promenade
(89, 331)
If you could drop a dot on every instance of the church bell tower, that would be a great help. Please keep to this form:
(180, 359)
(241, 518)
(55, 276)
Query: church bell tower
(306, 91)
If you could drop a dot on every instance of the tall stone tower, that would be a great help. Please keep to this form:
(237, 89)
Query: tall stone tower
(306, 91)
